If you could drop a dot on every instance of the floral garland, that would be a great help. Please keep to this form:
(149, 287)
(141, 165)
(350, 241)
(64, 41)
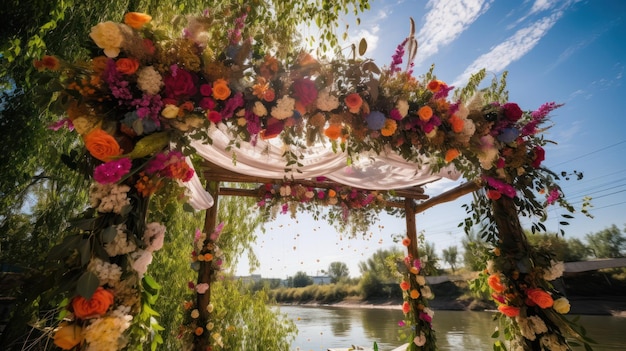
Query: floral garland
(143, 96)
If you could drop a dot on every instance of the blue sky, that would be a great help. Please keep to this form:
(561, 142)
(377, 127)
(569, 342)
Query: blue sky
(571, 52)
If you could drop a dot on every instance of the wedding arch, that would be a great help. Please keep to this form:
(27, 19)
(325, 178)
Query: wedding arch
(344, 133)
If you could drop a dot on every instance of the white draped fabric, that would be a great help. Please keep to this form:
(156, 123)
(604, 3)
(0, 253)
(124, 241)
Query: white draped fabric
(265, 159)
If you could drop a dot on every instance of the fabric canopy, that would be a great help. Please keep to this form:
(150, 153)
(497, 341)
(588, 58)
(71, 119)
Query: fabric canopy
(386, 171)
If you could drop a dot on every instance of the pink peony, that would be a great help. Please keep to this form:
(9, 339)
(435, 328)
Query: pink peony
(112, 171)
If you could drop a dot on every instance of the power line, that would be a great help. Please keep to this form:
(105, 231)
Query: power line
(591, 153)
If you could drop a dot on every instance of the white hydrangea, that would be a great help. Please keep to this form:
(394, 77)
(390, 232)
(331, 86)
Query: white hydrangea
(551, 342)
(555, 270)
(108, 197)
(284, 108)
(120, 245)
(149, 80)
(107, 273)
(326, 101)
(525, 328)
(538, 325)
(153, 236)
(259, 109)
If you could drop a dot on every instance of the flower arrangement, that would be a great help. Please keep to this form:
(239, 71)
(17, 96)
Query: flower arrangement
(143, 95)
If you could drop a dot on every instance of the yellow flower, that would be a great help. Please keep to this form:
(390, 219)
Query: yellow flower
(170, 111)
(107, 36)
(561, 305)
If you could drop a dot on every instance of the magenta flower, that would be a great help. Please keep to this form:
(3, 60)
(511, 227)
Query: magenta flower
(553, 196)
(112, 171)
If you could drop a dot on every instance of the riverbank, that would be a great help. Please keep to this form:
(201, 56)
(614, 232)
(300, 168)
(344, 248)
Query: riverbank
(600, 305)
(587, 296)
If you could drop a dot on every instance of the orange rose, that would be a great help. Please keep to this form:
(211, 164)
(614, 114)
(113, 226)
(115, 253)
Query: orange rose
(406, 307)
(136, 20)
(509, 311)
(333, 131)
(435, 85)
(456, 123)
(127, 65)
(94, 307)
(451, 155)
(221, 91)
(68, 336)
(404, 285)
(495, 284)
(269, 95)
(102, 145)
(540, 297)
(99, 64)
(415, 294)
(425, 113)
(353, 102)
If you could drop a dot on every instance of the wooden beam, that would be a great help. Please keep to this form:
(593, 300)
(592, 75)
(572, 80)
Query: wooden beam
(450, 195)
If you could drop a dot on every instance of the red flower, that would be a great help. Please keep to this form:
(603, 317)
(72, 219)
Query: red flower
(540, 155)
(540, 297)
(512, 112)
(304, 90)
(180, 84)
(509, 311)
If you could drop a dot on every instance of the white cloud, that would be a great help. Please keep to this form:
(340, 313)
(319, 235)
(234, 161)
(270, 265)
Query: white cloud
(370, 35)
(512, 49)
(541, 5)
(445, 21)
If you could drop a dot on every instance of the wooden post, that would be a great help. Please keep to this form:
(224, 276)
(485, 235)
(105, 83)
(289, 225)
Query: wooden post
(513, 241)
(205, 273)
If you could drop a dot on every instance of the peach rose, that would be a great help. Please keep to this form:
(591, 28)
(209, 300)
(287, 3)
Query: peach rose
(333, 131)
(102, 145)
(68, 336)
(94, 307)
(136, 20)
(108, 36)
(540, 297)
(509, 311)
(127, 65)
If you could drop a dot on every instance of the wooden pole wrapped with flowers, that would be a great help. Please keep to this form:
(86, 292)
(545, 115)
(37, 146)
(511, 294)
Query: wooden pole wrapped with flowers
(146, 100)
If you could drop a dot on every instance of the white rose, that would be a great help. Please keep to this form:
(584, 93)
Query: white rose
(107, 36)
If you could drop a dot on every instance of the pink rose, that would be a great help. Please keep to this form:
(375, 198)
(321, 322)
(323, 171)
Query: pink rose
(180, 84)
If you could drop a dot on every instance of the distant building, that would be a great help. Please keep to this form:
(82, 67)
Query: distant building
(320, 279)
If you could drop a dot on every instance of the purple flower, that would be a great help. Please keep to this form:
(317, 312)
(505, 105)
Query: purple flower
(375, 120)
(112, 171)
(508, 135)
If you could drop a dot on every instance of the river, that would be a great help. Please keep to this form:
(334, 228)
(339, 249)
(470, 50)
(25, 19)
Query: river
(321, 328)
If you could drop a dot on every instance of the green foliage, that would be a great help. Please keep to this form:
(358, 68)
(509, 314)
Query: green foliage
(607, 243)
(338, 271)
(301, 279)
(248, 322)
(379, 274)
(451, 256)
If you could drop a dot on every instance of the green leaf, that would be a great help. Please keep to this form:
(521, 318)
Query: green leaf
(108, 234)
(84, 223)
(85, 251)
(68, 244)
(147, 309)
(362, 47)
(87, 285)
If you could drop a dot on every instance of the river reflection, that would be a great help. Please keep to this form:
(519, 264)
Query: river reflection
(321, 328)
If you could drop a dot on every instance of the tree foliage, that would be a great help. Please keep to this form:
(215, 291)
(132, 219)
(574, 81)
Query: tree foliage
(608, 243)
(338, 271)
(451, 256)
(301, 279)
